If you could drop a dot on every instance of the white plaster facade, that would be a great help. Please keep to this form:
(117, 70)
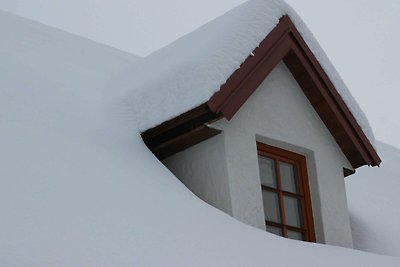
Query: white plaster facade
(223, 170)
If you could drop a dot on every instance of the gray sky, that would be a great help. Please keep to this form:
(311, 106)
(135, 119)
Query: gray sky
(361, 37)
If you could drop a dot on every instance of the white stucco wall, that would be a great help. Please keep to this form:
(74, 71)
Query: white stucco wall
(278, 113)
(202, 168)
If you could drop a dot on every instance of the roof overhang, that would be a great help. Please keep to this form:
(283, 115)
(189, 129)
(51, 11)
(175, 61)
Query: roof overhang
(283, 43)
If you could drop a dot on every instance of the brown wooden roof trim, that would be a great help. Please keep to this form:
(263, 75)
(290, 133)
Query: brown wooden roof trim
(285, 43)
(282, 43)
(179, 133)
(348, 172)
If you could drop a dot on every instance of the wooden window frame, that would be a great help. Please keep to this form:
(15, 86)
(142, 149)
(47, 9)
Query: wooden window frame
(299, 161)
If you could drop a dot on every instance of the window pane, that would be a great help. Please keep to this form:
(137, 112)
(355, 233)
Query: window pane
(274, 230)
(295, 235)
(267, 171)
(293, 211)
(271, 206)
(289, 177)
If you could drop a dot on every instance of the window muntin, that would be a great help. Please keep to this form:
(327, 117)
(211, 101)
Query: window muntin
(285, 191)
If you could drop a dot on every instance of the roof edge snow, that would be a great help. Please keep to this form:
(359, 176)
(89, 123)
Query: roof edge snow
(285, 43)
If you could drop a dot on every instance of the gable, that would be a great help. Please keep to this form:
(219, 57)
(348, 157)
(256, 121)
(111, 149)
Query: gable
(282, 43)
(280, 115)
(224, 170)
(285, 43)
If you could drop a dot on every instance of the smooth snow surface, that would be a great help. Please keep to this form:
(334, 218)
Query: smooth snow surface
(189, 71)
(66, 60)
(79, 187)
(374, 199)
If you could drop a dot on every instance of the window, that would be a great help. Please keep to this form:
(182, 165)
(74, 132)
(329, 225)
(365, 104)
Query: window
(285, 193)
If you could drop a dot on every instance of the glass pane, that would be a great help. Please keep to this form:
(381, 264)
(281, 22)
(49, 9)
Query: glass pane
(271, 207)
(274, 230)
(267, 171)
(293, 211)
(295, 235)
(289, 177)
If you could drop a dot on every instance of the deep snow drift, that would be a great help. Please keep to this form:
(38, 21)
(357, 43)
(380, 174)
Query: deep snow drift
(79, 188)
(374, 199)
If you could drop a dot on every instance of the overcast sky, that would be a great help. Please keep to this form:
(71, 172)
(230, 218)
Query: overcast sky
(361, 37)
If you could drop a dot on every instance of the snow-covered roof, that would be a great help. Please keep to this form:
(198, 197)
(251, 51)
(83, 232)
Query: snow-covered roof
(373, 199)
(60, 58)
(190, 70)
(78, 189)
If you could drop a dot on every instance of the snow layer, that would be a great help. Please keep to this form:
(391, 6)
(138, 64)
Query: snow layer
(79, 188)
(66, 60)
(374, 199)
(189, 71)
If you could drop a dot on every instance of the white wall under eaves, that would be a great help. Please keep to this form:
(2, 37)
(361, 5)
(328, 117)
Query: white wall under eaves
(278, 113)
